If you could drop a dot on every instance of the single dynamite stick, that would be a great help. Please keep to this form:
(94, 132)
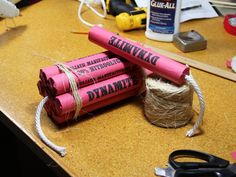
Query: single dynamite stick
(59, 119)
(88, 75)
(46, 72)
(97, 92)
(138, 54)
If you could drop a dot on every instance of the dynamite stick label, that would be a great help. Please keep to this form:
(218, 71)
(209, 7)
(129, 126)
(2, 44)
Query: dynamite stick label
(104, 76)
(94, 68)
(98, 92)
(90, 78)
(91, 74)
(88, 63)
(133, 50)
(112, 87)
(98, 60)
(104, 65)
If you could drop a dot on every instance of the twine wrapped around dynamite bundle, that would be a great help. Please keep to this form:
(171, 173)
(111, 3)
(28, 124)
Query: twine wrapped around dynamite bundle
(167, 105)
(98, 77)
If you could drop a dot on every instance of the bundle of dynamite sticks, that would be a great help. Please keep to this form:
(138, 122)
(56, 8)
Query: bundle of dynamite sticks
(86, 84)
(102, 79)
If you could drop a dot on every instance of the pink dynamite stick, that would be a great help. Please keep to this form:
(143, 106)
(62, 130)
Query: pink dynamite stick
(68, 116)
(88, 75)
(136, 53)
(97, 92)
(46, 72)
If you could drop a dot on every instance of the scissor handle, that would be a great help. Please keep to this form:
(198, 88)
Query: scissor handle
(205, 173)
(211, 160)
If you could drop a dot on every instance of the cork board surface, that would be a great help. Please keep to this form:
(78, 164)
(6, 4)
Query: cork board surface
(117, 140)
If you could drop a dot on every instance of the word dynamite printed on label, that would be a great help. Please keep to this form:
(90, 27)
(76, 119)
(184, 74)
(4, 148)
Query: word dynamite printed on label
(134, 50)
(112, 87)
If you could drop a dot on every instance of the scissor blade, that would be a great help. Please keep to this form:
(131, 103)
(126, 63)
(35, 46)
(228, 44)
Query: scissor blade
(231, 169)
(167, 172)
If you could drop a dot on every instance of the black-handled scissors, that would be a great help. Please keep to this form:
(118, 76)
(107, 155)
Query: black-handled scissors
(211, 167)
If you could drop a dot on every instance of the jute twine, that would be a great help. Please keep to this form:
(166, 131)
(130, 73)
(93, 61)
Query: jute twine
(167, 105)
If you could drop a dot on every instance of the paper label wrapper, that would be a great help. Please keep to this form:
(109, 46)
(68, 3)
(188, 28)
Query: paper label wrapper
(59, 84)
(97, 92)
(59, 119)
(137, 54)
(46, 72)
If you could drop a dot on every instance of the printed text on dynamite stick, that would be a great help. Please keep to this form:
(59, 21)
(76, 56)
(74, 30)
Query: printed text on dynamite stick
(111, 88)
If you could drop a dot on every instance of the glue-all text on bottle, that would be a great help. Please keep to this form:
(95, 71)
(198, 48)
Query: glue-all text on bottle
(163, 19)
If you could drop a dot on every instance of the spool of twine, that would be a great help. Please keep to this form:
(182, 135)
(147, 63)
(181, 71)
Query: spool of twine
(167, 105)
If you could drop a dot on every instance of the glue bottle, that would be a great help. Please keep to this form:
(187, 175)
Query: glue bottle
(163, 19)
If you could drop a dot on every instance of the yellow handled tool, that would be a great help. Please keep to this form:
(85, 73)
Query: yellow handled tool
(131, 20)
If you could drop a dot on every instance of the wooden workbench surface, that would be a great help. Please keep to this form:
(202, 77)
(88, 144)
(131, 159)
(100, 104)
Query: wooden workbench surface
(117, 140)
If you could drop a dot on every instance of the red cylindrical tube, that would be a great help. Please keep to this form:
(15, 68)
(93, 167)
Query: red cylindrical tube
(136, 53)
(59, 119)
(97, 92)
(46, 72)
(88, 75)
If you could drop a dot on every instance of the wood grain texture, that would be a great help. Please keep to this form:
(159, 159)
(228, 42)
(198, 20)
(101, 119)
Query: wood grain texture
(117, 140)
